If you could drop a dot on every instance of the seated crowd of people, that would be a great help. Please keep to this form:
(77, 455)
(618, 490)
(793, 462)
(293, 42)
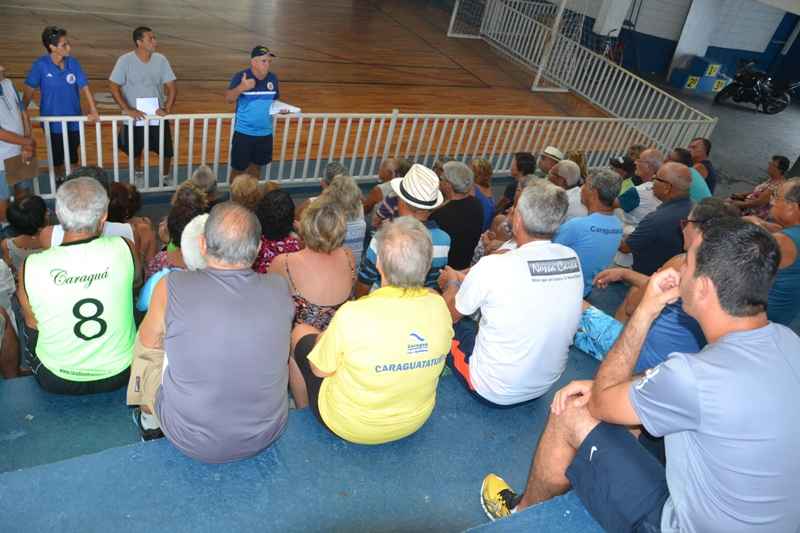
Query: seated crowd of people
(226, 313)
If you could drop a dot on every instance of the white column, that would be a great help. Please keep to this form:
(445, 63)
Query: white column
(700, 25)
(611, 15)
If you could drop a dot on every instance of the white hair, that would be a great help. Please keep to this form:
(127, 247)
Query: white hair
(190, 243)
(405, 251)
(542, 206)
(459, 176)
(80, 204)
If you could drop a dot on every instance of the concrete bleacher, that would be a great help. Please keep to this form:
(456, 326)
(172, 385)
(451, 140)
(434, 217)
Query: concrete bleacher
(75, 464)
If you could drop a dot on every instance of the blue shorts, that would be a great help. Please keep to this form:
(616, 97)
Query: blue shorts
(623, 485)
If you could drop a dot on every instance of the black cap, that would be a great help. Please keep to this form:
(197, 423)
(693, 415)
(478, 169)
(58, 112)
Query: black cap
(259, 51)
(625, 163)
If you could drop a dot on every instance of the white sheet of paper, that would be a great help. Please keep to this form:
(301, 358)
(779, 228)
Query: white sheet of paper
(282, 107)
(149, 106)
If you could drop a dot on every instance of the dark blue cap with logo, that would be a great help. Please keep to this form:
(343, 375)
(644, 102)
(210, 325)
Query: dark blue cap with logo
(259, 51)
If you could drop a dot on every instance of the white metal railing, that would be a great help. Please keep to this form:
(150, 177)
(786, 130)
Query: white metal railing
(304, 144)
(567, 63)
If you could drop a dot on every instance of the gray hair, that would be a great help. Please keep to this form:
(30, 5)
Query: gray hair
(606, 182)
(653, 157)
(343, 190)
(205, 178)
(791, 190)
(459, 175)
(80, 204)
(233, 234)
(190, 243)
(405, 251)
(333, 169)
(542, 206)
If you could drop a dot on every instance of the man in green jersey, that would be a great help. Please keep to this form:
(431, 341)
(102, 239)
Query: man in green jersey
(77, 298)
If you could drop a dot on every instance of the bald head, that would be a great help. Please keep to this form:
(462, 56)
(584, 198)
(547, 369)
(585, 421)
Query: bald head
(679, 178)
(232, 235)
(649, 162)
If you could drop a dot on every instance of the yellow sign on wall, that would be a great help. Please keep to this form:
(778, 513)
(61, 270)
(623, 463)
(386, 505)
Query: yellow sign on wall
(719, 85)
(692, 81)
(712, 70)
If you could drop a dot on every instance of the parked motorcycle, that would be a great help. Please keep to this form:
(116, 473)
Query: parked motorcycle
(753, 86)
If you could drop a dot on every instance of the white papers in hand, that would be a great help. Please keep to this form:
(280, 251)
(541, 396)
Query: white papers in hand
(148, 106)
(282, 107)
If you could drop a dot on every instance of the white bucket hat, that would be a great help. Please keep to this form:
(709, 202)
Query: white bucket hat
(419, 188)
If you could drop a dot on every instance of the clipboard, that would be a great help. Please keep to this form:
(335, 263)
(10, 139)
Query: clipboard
(18, 170)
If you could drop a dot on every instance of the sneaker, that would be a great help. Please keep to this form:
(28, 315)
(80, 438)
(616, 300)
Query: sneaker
(497, 498)
(146, 433)
(167, 180)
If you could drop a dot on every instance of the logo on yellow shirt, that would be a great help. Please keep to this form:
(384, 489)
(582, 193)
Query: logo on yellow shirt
(416, 344)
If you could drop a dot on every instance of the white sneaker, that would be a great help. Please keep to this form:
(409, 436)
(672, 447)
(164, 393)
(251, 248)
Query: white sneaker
(168, 180)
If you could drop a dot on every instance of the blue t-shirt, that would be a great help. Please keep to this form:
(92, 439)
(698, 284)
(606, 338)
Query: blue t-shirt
(252, 107)
(487, 203)
(595, 238)
(672, 331)
(699, 188)
(784, 297)
(146, 294)
(59, 89)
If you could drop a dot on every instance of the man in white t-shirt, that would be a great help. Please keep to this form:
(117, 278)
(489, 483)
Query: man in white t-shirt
(639, 201)
(530, 303)
(567, 175)
(15, 137)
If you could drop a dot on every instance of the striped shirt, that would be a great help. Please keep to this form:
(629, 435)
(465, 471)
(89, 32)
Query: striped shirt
(368, 274)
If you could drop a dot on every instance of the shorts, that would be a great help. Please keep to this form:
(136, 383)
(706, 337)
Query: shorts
(466, 330)
(313, 382)
(138, 140)
(597, 333)
(57, 147)
(57, 385)
(623, 486)
(247, 150)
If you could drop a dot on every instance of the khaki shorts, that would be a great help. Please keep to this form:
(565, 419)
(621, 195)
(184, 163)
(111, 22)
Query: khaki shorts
(146, 371)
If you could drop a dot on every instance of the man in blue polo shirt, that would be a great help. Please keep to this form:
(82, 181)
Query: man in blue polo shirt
(253, 89)
(60, 80)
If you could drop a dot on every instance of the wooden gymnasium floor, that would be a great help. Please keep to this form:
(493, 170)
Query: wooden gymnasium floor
(333, 55)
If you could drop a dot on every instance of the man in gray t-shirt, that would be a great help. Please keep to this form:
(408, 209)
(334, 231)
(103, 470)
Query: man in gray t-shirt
(727, 413)
(137, 76)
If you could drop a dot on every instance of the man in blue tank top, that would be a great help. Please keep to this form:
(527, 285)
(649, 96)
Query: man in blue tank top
(784, 298)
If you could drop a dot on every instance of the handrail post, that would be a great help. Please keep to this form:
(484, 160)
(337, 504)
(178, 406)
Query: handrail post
(390, 133)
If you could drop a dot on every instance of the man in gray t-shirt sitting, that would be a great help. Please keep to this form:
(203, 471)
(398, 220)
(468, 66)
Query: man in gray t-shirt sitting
(139, 76)
(220, 392)
(727, 414)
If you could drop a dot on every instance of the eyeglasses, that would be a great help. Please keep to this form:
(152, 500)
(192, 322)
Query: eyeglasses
(656, 178)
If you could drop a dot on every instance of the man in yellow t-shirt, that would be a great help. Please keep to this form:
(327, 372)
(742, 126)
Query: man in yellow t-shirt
(372, 375)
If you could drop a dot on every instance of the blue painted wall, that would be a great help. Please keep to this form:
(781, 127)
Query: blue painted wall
(767, 60)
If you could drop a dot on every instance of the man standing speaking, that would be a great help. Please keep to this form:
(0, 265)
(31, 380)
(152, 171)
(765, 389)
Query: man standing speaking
(253, 89)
